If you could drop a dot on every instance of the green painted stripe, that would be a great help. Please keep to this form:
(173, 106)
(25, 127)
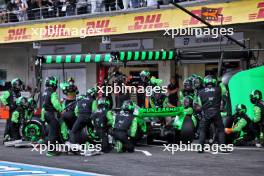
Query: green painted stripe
(143, 55)
(122, 56)
(107, 57)
(68, 59)
(48, 59)
(97, 58)
(150, 55)
(164, 54)
(58, 59)
(136, 55)
(87, 58)
(78, 58)
(157, 54)
(129, 55)
(171, 54)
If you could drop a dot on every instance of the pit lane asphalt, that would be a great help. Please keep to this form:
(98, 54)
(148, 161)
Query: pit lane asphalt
(241, 162)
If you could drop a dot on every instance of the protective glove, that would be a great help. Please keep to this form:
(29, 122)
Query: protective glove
(228, 130)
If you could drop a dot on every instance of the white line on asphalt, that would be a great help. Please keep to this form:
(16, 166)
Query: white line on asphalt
(249, 148)
(159, 146)
(144, 152)
(220, 153)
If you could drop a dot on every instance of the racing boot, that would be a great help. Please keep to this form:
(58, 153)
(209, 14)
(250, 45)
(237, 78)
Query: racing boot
(51, 154)
(12, 143)
(119, 147)
(74, 148)
(6, 138)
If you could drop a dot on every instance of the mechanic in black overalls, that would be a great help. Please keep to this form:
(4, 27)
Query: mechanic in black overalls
(120, 97)
(144, 82)
(187, 90)
(8, 98)
(83, 110)
(16, 118)
(125, 128)
(71, 91)
(242, 131)
(50, 112)
(102, 120)
(256, 100)
(197, 83)
(209, 99)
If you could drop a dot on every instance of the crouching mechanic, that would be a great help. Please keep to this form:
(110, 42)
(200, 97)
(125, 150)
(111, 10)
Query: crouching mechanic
(242, 132)
(8, 98)
(102, 120)
(179, 120)
(256, 100)
(50, 112)
(125, 128)
(16, 118)
(83, 110)
(32, 106)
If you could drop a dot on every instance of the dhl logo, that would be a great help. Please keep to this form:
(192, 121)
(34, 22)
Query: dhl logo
(259, 14)
(99, 26)
(17, 34)
(212, 14)
(148, 22)
(58, 30)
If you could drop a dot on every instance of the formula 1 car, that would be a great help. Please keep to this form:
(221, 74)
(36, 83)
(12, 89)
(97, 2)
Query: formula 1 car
(152, 123)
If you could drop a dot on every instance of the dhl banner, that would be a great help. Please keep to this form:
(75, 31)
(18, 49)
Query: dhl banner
(244, 11)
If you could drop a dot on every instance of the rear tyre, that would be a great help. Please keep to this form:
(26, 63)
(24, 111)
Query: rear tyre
(188, 130)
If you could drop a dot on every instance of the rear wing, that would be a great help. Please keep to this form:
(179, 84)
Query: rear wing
(160, 112)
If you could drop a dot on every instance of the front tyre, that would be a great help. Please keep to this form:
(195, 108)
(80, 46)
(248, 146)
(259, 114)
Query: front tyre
(32, 130)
